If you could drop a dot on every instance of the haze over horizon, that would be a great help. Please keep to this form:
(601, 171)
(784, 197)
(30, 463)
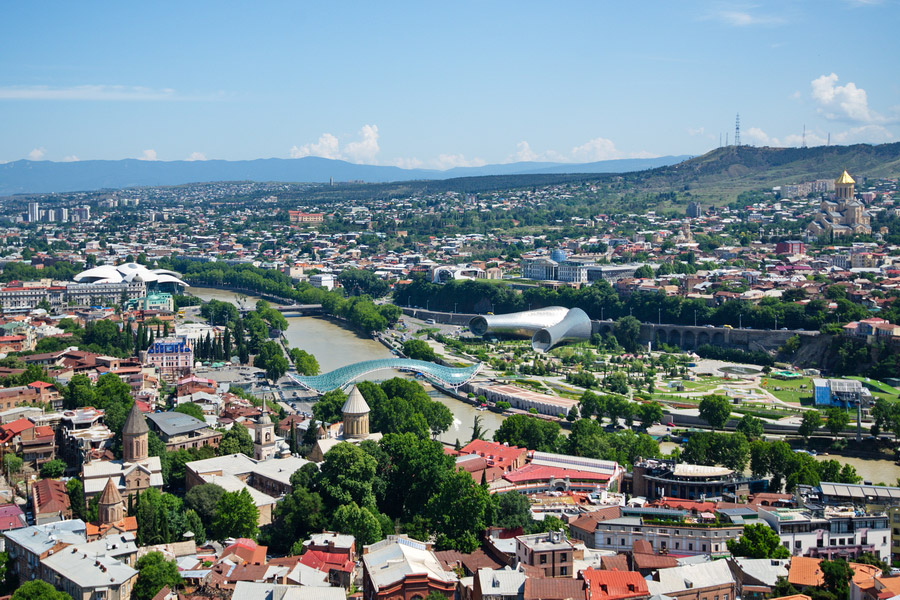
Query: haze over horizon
(441, 86)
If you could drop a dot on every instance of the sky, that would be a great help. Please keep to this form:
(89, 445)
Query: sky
(442, 84)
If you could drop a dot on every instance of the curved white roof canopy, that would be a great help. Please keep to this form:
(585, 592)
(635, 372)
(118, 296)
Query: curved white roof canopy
(128, 272)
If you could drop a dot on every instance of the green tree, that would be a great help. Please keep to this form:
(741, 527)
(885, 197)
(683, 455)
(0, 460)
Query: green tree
(513, 510)
(327, 409)
(236, 440)
(459, 513)
(419, 350)
(39, 590)
(203, 499)
(75, 490)
(868, 558)
(53, 469)
(357, 521)
(837, 575)
(810, 423)
(529, 432)
(296, 516)
(347, 475)
(627, 331)
(12, 463)
(751, 427)
(758, 541)
(650, 413)
(236, 516)
(837, 419)
(154, 572)
(410, 468)
(271, 359)
(715, 410)
(189, 408)
(194, 524)
(304, 362)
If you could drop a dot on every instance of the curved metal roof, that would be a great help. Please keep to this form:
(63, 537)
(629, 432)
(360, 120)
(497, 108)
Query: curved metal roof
(448, 376)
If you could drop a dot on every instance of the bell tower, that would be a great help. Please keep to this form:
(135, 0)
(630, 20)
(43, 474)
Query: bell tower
(135, 436)
(264, 441)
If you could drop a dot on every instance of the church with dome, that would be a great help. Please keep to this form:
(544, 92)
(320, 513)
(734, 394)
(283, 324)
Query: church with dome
(844, 215)
(354, 426)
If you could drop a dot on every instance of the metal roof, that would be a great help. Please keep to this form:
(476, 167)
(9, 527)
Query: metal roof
(176, 423)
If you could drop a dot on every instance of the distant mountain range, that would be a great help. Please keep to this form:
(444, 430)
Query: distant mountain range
(30, 177)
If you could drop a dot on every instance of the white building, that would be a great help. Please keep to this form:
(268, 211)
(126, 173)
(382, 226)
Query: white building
(322, 280)
(830, 533)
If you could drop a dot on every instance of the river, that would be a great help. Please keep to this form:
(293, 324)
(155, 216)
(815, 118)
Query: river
(335, 346)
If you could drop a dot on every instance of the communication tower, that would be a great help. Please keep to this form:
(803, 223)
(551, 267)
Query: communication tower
(803, 144)
(737, 130)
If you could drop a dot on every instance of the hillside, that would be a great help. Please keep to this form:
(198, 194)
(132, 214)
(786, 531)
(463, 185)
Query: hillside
(724, 173)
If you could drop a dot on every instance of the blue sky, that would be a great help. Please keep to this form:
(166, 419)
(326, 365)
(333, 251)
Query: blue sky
(441, 84)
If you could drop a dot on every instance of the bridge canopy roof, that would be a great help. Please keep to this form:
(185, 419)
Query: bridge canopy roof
(341, 377)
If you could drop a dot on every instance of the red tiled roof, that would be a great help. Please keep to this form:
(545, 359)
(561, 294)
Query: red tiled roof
(603, 585)
(553, 588)
(532, 472)
(50, 496)
(327, 561)
(496, 454)
(11, 517)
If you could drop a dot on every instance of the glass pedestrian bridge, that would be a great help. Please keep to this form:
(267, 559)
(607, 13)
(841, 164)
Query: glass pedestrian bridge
(451, 377)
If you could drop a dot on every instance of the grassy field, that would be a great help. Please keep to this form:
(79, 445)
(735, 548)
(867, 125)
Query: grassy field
(797, 391)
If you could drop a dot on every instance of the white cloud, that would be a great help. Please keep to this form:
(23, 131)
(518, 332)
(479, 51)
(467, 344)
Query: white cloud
(407, 163)
(70, 158)
(327, 147)
(449, 161)
(96, 92)
(364, 150)
(744, 17)
(37, 154)
(865, 134)
(524, 153)
(196, 156)
(842, 101)
(596, 149)
(148, 155)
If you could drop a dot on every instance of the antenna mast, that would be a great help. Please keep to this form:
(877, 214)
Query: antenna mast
(737, 130)
(829, 139)
(803, 145)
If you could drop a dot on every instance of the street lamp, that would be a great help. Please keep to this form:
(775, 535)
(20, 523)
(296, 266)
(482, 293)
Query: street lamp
(660, 316)
(454, 306)
(695, 317)
(740, 320)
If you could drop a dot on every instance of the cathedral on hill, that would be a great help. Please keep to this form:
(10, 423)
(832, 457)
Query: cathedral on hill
(845, 215)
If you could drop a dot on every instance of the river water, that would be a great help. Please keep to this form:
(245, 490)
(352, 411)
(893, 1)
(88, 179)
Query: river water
(335, 346)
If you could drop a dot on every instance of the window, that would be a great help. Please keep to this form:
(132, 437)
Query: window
(622, 543)
(703, 548)
(690, 547)
(543, 559)
(562, 557)
(798, 544)
(562, 571)
(677, 545)
(609, 541)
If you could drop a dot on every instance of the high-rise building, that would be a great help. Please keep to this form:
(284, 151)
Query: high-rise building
(34, 212)
(694, 210)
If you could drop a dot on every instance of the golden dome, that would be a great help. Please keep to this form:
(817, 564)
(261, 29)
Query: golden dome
(844, 178)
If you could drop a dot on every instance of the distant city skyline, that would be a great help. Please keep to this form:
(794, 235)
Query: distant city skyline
(442, 85)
